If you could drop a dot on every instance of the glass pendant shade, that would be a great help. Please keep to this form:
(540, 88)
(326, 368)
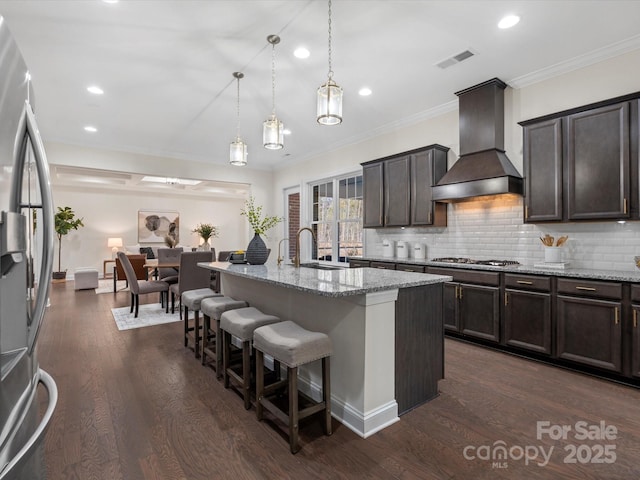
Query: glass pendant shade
(238, 152)
(273, 133)
(329, 106)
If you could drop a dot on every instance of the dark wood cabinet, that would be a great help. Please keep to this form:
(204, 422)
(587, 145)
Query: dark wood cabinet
(471, 302)
(543, 171)
(582, 164)
(407, 267)
(597, 163)
(427, 168)
(635, 340)
(383, 265)
(527, 312)
(357, 263)
(588, 323)
(397, 195)
(397, 189)
(373, 195)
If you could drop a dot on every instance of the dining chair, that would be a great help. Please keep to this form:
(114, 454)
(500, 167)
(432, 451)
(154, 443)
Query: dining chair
(190, 276)
(168, 255)
(141, 287)
(137, 261)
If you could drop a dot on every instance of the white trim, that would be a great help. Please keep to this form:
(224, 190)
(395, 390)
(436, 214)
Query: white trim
(363, 424)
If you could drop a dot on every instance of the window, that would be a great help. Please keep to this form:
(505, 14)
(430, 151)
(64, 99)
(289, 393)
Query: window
(337, 218)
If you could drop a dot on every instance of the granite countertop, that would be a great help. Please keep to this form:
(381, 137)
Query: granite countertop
(330, 283)
(586, 273)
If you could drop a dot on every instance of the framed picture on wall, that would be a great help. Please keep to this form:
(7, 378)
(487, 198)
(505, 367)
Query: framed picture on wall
(156, 226)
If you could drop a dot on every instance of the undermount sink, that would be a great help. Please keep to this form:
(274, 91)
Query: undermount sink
(319, 266)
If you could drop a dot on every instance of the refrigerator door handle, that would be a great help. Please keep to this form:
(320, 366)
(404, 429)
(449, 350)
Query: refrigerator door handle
(34, 441)
(28, 130)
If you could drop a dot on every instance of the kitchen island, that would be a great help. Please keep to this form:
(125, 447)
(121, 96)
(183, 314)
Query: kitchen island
(386, 328)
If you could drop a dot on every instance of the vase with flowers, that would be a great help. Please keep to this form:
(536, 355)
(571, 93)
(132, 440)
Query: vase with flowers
(206, 231)
(257, 252)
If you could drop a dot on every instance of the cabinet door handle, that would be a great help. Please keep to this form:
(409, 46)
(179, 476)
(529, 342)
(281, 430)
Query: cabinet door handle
(624, 205)
(460, 297)
(588, 289)
(635, 318)
(615, 310)
(524, 282)
(526, 211)
(429, 219)
(506, 298)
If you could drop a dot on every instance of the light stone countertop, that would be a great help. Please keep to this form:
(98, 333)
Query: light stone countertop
(330, 283)
(585, 273)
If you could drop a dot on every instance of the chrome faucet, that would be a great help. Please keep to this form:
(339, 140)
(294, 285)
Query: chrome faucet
(280, 259)
(296, 259)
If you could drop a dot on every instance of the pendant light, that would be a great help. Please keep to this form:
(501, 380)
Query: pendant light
(272, 128)
(238, 149)
(329, 95)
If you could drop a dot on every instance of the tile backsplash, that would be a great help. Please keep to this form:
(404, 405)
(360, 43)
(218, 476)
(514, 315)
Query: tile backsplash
(492, 228)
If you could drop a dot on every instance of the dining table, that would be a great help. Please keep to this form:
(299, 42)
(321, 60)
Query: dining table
(152, 265)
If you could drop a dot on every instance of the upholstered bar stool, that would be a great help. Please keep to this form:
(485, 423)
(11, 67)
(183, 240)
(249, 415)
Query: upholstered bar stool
(192, 300)
(241, 324)
(213, 308)
(292, 345)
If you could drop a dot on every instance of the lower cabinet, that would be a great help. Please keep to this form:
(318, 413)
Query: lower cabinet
(589, 323)
(471, 302)
(527, 312)
(635, 341)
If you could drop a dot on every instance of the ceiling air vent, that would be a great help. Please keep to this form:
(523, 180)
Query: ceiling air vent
(449, 62)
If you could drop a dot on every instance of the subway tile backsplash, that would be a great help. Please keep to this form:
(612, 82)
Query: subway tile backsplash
(492, 228)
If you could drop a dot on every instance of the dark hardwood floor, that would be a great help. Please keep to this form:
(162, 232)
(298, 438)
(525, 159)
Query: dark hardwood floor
(137, 405)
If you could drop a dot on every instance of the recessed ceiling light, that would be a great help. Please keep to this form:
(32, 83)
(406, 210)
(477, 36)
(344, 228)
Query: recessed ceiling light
(301, 52)
(110, 1)
(91, 129)
(96, 90)
(364, 92)
(508, 21)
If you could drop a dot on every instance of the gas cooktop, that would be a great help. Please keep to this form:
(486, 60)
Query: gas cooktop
(495, 263)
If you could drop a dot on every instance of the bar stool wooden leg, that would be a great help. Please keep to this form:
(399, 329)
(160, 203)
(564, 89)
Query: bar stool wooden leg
(196, 329)
(292, 374)
(226, 357)
(218, 359)
(206, 326)
(326, 395)
(246, 373)
(259, 383)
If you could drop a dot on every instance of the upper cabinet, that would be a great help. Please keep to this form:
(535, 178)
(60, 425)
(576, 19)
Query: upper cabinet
(397, 189)
(582, 164)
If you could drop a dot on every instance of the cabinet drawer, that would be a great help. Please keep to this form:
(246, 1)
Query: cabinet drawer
(468, 276)
(407, 267)
(527, 282)
(590, 288)
(383, 265)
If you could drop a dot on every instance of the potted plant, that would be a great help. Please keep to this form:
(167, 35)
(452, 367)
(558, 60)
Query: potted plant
(257, 252)
(65, 220)
(206, 231)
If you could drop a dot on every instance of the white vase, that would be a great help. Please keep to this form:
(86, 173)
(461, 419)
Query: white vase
(205, 247)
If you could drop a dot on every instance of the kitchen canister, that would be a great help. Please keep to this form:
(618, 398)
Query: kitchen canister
(402, 249)
(419, 251)
(387, 248)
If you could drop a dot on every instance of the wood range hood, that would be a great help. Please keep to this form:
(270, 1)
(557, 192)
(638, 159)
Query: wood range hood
(483, 167)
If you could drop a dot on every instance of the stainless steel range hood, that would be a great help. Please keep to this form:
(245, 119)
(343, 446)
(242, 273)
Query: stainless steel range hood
(483, 168)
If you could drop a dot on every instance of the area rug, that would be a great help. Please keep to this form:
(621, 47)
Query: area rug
(106, 286)
(148, 315)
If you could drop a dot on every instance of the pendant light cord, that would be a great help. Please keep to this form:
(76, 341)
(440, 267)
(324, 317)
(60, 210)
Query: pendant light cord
(330, 73)
(238, 106)
(273, 78)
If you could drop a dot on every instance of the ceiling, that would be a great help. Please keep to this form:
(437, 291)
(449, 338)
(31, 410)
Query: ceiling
(166, 66)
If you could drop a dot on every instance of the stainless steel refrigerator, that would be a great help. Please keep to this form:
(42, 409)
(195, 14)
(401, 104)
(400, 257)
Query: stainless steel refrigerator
(26, 258)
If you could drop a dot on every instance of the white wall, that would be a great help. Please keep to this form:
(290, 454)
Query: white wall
(493, 228)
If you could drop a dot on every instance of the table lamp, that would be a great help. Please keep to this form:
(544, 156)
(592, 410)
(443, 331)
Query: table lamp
(115, 243)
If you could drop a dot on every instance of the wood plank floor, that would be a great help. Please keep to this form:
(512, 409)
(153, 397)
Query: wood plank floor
(137, 405)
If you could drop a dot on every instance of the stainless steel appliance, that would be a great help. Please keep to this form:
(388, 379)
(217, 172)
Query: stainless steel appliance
(493, 263)
(26, 258)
